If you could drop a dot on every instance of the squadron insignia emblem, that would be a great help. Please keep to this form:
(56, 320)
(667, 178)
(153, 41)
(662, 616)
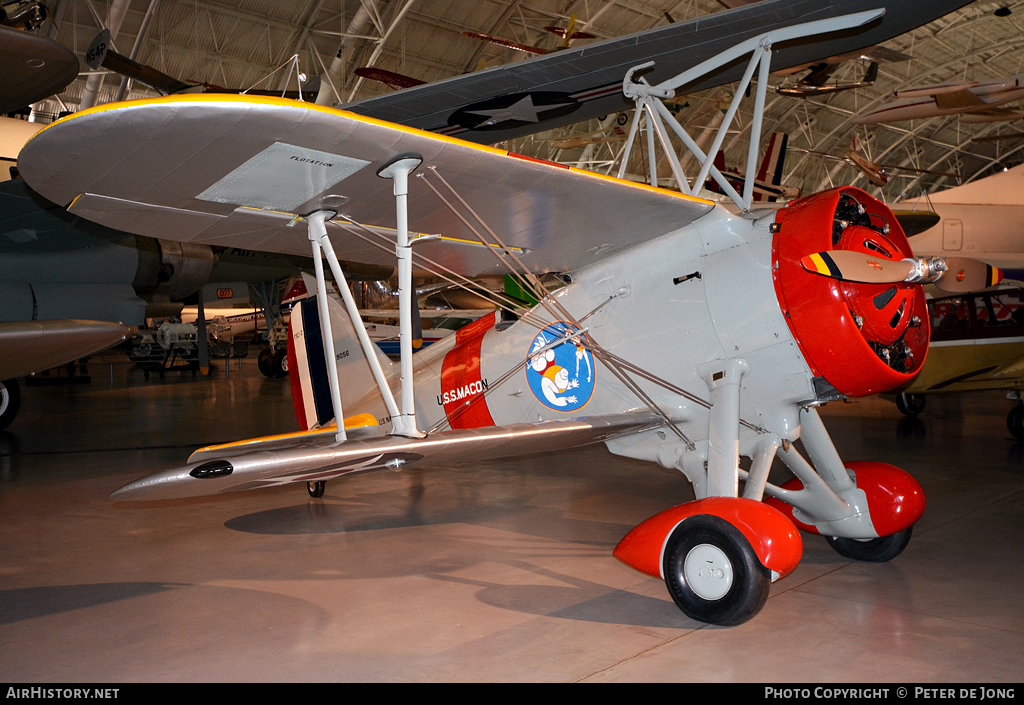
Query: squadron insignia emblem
(561, 377)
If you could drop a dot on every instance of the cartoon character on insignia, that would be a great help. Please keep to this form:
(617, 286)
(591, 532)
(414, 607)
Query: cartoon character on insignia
(548, 369)
(554, 379)
(581, 354)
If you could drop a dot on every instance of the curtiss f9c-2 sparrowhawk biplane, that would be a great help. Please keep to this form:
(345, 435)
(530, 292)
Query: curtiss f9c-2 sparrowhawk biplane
(668, 328)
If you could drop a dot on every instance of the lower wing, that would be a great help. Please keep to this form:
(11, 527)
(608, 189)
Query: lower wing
(316, 456)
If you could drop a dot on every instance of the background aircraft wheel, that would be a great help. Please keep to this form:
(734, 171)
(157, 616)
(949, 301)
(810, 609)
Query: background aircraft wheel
(713, 573)
(10, 402)
(316, 489)
(280, 363)
(910, 404)
(1014, 422)
(266, 362)
(879, 550)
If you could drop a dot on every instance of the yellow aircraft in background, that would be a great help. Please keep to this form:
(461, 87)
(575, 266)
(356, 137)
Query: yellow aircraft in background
(977, 344)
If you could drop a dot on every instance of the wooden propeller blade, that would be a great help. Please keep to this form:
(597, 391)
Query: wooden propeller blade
(857, 267)
(388, 78)
(562, 32)
(505, 43)
(965, 274)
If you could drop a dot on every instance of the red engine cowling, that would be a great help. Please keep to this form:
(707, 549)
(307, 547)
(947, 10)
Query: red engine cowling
(861, 338)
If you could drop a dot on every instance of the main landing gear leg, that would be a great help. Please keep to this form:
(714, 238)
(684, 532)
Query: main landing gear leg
(711, 570)
(865, 510)
(719, 554)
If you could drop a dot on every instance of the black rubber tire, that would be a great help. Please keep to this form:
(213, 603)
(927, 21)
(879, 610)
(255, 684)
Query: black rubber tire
(316, 489)
(879, 550)
(280, 363)
(750, 580)
(266, 362)
(10, 402)
(1015, 422)
(910, 404)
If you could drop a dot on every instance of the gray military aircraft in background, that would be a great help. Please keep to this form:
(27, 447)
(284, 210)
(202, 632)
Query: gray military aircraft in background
(70, 288)
(32, 67)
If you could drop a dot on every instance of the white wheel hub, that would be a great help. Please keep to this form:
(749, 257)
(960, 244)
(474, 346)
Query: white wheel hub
(708, 572)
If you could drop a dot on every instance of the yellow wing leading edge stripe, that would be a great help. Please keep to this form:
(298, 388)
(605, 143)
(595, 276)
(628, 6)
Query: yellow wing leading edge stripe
(289, 103)
(357, 421)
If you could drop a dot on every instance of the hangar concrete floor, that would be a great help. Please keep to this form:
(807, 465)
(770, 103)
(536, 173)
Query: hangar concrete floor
(496, 572)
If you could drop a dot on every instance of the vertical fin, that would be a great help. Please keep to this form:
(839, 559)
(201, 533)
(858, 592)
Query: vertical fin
(774, 160)
(307, 363)
(307, 367)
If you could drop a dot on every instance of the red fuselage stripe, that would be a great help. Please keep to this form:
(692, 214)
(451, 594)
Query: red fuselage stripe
(462, 389)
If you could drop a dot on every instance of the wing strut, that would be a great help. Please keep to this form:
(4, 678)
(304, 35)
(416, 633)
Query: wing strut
(318, 234)
(618, 365)
(648, 105)
(550, 303)
(403, 421)
(398, 170)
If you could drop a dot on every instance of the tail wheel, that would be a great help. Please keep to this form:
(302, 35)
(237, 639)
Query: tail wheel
(879, 550)
(1014, 422)
(712, 572)
(10, 402)
(316, 489)
(910, 404)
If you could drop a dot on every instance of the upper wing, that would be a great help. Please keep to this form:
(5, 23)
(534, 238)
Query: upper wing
(315, 457)
(233, 170)
(576, 84)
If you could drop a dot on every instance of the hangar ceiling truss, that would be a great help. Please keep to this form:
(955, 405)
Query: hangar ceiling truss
(241, 43)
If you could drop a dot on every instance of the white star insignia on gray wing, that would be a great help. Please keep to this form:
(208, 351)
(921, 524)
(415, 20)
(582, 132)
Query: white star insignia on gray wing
(523, 110)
